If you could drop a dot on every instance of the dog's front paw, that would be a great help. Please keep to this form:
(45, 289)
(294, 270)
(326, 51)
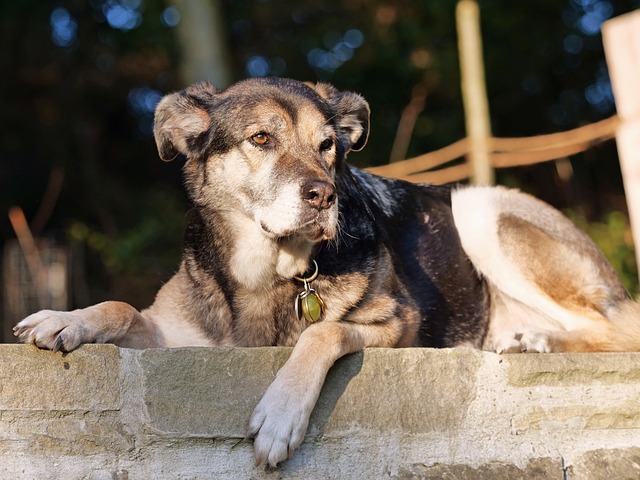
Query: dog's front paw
(52, 330)
(278, 424)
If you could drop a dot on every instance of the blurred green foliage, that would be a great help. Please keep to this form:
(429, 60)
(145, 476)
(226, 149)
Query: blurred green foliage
(131, 250)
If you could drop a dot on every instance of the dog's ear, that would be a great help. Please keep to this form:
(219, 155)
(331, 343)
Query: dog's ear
(352, 114)
(180, 118)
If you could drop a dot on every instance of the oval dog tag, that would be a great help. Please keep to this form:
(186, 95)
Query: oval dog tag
(308, 303)
(311, 305)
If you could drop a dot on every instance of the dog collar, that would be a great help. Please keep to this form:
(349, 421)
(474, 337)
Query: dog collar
(308, 303)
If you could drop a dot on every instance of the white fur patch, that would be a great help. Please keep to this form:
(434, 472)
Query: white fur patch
(283, 214)
(253, 261)
(293, 257)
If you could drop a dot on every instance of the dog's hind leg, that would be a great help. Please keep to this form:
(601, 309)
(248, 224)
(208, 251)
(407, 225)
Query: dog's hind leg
(551, 288)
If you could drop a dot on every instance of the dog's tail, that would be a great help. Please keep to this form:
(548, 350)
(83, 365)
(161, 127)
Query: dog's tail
(625, 328)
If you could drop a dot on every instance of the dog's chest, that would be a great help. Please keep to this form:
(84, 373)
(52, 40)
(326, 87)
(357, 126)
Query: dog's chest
(266, 317)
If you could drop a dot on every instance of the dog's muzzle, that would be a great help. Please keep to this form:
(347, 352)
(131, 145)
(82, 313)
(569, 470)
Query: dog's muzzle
(311, 213)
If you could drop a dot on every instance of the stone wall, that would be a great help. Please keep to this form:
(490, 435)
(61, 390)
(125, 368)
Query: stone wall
(108, 413)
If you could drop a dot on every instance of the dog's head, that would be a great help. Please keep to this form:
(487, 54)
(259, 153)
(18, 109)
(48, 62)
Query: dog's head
(267, 149)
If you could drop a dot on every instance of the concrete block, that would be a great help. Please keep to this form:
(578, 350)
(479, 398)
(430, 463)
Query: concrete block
(625, 415)
(572, 369)
(55, 404)
(618, 464)
(86, 379)
(541, 468)
(408, 390)
(205, 391)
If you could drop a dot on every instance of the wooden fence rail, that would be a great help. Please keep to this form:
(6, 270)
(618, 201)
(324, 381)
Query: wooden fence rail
(504, 153)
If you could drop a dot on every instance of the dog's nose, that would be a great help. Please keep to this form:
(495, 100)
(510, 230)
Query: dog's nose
(319, 194)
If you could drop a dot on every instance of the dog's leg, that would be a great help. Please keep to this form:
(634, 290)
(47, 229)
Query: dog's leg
(537, 340)
(620, 334)
(280, 420)
(516, 328)
(551, 289)
(114, 322)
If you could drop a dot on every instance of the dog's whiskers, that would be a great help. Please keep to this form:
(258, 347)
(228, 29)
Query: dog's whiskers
(341, 233)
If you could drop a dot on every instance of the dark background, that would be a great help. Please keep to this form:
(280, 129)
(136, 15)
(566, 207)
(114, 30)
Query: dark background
(80, 80)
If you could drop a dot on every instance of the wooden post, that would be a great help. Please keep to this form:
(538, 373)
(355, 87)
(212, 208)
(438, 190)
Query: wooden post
(203, 42)
(474, 91)
(621, 37)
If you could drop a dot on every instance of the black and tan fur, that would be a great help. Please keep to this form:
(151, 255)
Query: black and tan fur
(400, 265)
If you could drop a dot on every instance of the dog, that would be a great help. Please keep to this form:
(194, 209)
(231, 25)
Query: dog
(289, 245)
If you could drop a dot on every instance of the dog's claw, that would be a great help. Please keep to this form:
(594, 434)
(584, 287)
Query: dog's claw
(59, 343)
(18, 330)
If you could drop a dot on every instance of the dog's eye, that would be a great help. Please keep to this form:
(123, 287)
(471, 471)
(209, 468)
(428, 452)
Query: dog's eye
(326, 144)
(260, 138)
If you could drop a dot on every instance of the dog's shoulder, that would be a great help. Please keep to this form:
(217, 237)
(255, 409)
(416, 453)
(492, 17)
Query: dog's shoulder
(414, 224)
(398, 207)
(392, 196)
